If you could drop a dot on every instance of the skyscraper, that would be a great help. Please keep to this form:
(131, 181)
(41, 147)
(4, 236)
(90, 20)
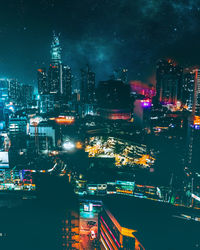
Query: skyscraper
(56, 82)
(194, 125)
(188, 89)
(121, 74)
(66, 83)
(59, 75)
(168, 82)
(87, 86)
(43, 86)
(55, 50)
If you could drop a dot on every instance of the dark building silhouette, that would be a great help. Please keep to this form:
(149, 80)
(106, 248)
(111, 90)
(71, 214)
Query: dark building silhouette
(87, 86)
(168, 82)
(114, 101)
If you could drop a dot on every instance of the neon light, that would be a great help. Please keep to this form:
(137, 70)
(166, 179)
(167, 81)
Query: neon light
(110, 232)
(108, 236)
(104, 243)
(106, 240)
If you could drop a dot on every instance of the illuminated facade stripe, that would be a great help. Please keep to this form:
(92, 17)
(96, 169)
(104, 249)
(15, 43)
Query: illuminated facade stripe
(103, 229)
(106, 240)
(110, 232)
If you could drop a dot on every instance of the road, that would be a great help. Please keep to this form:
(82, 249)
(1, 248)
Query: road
(85, 241)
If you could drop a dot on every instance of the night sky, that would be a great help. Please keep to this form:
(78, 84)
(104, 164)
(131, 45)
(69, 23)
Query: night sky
(107, 34)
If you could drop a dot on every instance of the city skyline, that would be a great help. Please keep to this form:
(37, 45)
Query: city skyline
(99, 34)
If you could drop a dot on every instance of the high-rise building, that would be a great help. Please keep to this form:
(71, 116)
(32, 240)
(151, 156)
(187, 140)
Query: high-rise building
(55, 50)
(196, 105)
(194, 126)
(59, 75)
(27, 94)
(4, 91)
(168, 82)
(56, 82)
(43, 86)
(66, 83)
(87, 86)
(121, 74)
(54, 79)
(15, 91)
(188, 89)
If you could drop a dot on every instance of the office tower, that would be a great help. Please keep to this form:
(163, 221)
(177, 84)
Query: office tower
(54, 79)
(188, 89)
(27, 94)
(14, 90)
(4, 94)
(196, 105)
(168, 82)
(87, 86)
(55, 50)
(59, 75)
(121, 74)
(66, 83)
(43, 86)
(194, 126)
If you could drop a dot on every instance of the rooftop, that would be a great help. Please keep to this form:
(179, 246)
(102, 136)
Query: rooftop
(157, 224)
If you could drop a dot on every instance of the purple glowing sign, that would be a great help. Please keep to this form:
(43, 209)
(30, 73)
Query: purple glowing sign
(146, 103)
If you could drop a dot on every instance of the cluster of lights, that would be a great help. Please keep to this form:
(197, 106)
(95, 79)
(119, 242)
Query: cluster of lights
(68, 145)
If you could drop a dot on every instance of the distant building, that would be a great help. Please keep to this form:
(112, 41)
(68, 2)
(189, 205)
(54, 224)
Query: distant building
(114, 100)
(26, 94)
(4, 90)
(121, 74)
(168, 82)
(44, 135)
(115, 232)
(87, 93)
(57, 80)
(46, 103)
(188, 89)
(17, 132)
(43, 87)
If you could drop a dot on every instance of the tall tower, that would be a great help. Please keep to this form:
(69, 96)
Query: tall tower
(55, 50)
(43, 87)
(87, 86)
(194, 126)
(168, 82)
(59, 75)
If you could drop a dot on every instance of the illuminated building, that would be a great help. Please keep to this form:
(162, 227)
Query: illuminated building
(142, 109)
(17, 132)
(27, 94)
(43, 87)
(168, 82)
(87, 91)
(71, 231)
(44, 135)
(59, 75)
(140, 88)
(188, 90)
(114, 233)
(121, 74)
(66, 83)
(46, 103)
(56, 82)
(55, 50)
(194, 126)
(4, 90)
(114, 100)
